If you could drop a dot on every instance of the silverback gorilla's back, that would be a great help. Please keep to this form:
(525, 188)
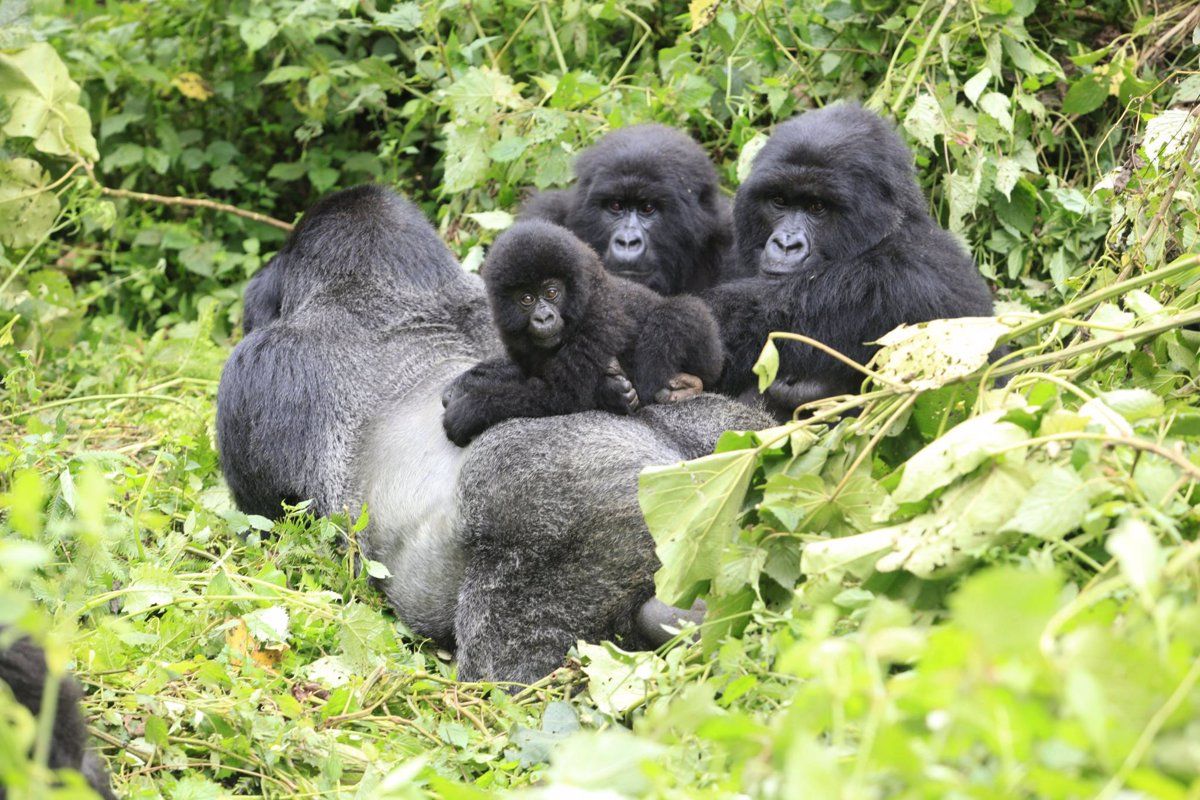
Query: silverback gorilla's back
(532, 534)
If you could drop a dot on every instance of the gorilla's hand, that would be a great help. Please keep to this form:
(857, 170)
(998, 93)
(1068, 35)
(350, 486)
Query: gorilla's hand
(616, 392)
(465, 416)
(681, 387)
(483, 374)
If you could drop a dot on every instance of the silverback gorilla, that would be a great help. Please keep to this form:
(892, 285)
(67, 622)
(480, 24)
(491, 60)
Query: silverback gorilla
(646, 198)
(564, 320)
(510, 549)
(23, 668)
(833, 222)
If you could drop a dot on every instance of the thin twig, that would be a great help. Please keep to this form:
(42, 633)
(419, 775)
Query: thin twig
(190, 202)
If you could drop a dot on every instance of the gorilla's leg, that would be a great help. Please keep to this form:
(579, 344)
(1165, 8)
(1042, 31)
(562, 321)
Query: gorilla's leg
(656, 619)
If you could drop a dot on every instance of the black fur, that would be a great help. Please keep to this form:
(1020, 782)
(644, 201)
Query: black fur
(684, 241)
(23, 668)
(595, 318)
(510, 549)
(264, 293)
(834, 223)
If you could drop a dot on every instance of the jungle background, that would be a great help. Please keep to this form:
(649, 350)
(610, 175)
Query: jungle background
(958, 591)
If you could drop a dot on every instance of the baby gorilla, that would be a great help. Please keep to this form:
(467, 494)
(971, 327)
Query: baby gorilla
(572, 332)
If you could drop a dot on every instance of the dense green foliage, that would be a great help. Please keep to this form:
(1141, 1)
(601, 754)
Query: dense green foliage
(961, 591)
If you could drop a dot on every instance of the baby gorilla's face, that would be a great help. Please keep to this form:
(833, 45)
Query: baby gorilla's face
(541, 306)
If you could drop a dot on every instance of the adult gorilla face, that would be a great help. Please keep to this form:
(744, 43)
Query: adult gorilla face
(647, 200)
(829, 185)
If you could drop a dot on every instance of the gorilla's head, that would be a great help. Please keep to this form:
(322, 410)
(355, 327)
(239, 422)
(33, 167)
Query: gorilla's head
(364, 240)
(540, 281)
(647, 200)
(828, 186)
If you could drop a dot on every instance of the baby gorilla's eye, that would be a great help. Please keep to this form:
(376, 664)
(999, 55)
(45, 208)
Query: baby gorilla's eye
(779, 201)
(526, 299)
(646, 209)
(616, 205)
(816, 207)
(551, 293)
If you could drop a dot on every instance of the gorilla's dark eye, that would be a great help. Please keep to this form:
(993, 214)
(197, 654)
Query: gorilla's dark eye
(816, 207)
(646, 209)
(526, 299)
(551, 293)
(616, 205)
(779, 201)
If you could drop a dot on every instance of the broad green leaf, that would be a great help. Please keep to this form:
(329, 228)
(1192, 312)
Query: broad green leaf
(466, 157)
(257, 32)
(691, 510)
(401, 16)
(508, 149)
(1086, 94)
(958, 452)
(617, 681)
(27, 209)
(925, 121)
(997, 106)
(974, 87)
(855, 554)
(1007, 608)
(1138, 552)
(967, 520)
(481, 92)
(44, 103)
(767, 365)
(1167, 134)
(492, 220)
(932, 354)
(750, 151)
(611, 763)
(1134, 404)
(1054, 506)
(286, 74)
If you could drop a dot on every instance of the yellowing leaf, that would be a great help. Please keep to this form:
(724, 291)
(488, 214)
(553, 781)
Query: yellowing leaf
(931, 354)
(702, 13)
(192, 85)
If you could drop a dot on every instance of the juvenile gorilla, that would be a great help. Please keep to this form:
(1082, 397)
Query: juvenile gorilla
(833, 222)
(563, 321)
(23, 668)
(647, 200)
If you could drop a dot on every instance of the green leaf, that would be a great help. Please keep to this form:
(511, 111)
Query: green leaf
(508, 149)
(691, 510)
(767, 365)
(958, 452)
(1086, 94)
(1006, 609)
(925, 121)
(1134, 404)
(27, 209)
(44, 103)
(1055, 506)
(929, 355)
(492, 220)
(466, 157)
(1138, 552)
(286, 74)
(257, 32)
(749, 152)
(617, 681)
(998, 107)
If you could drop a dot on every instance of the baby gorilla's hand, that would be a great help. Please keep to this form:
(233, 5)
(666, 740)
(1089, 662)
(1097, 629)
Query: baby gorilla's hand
(681, 387)
(616, 392)
(463, 418)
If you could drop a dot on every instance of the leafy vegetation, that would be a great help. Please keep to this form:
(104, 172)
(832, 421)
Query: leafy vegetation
(968, 588)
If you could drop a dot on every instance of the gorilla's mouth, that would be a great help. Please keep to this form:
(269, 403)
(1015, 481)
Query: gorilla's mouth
(547, 341)
(777, 269)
